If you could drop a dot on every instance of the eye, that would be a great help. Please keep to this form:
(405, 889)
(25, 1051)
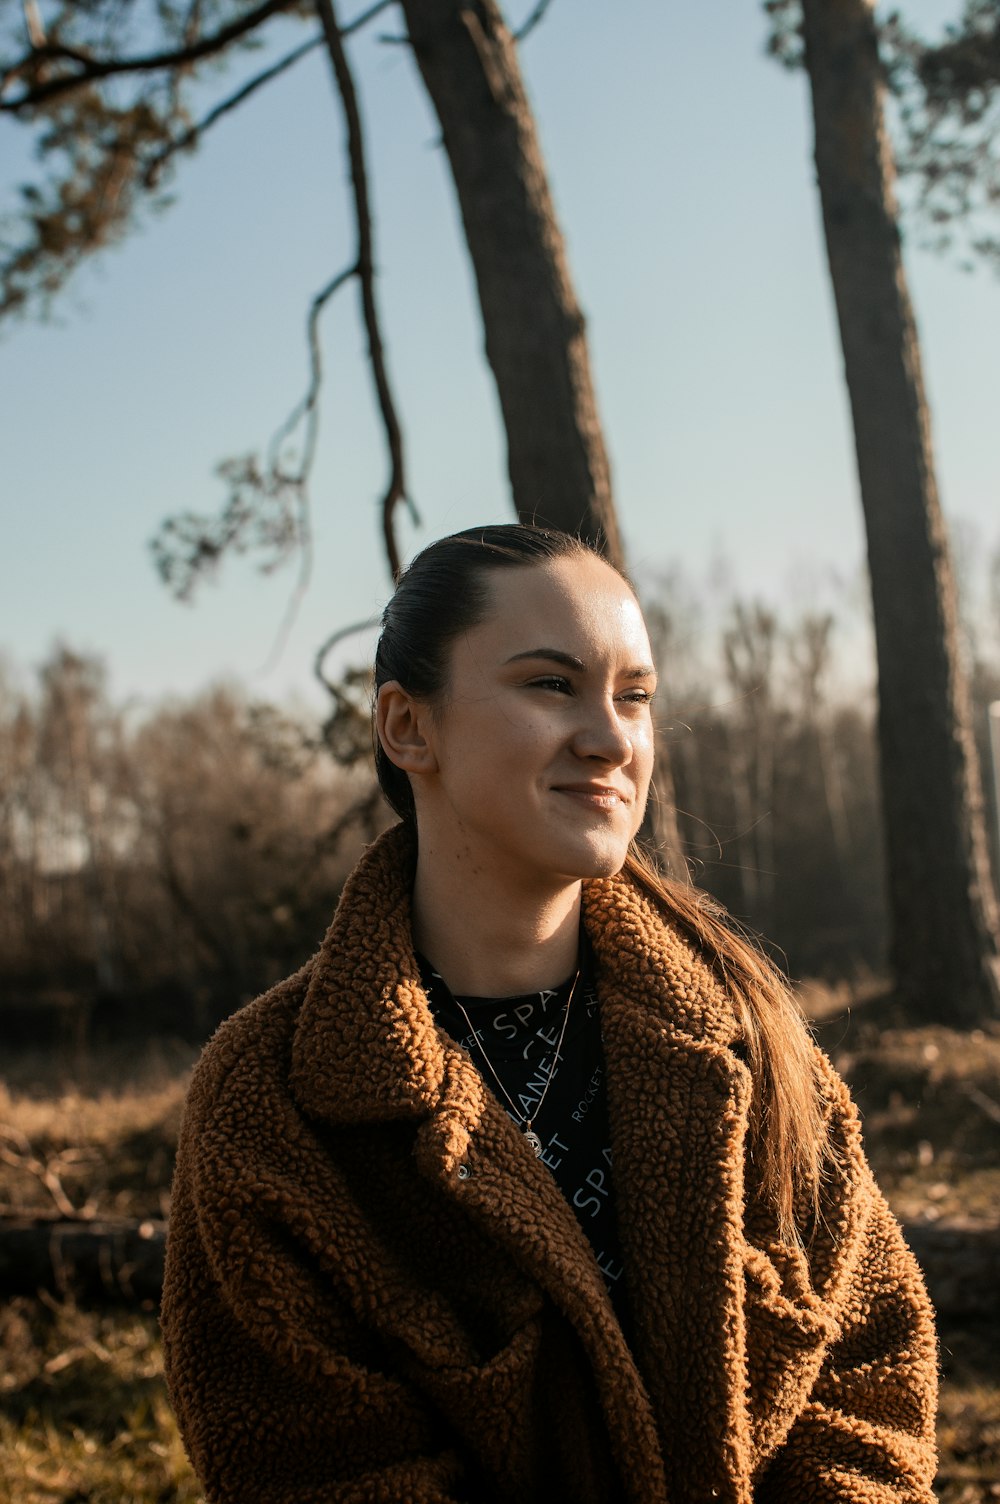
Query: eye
(552, 681)
(638, 696)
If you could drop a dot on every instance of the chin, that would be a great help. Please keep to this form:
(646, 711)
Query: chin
(600, 860)
(609, 866)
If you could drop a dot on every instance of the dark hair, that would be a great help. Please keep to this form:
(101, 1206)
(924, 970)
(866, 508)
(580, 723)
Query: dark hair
(443, 593)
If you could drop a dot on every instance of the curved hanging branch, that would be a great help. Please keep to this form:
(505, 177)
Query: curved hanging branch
(268, 511)
(346, 732)
(395, 491)
(324, 651)
(308, 411)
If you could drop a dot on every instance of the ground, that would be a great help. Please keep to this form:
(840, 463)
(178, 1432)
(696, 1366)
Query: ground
(84, 1416)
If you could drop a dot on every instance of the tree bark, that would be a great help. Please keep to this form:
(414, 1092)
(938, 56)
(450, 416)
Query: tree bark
(535, 340)
(943, 911)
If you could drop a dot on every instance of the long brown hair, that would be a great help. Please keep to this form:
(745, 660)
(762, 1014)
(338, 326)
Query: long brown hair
(789, 1144)
(443, 593)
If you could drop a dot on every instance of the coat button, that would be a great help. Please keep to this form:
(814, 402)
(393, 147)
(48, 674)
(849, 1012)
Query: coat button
(463, 1172)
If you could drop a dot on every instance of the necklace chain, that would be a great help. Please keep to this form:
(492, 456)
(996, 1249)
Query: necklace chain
(521, 1118)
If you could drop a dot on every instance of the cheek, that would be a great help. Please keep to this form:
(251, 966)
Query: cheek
(644, 748)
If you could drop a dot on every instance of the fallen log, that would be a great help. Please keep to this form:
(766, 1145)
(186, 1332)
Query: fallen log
(123, 1261)
(961, 1263)
(89, 1260)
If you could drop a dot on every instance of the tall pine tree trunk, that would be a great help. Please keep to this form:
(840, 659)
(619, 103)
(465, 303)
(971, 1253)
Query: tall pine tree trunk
(943, 911)
(535, 339)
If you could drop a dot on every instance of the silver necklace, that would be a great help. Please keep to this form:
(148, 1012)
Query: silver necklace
(520, 1118)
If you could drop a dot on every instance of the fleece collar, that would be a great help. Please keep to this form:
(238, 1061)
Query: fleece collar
(367, 1048)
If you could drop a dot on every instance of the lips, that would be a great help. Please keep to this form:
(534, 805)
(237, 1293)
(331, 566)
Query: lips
(601, 794)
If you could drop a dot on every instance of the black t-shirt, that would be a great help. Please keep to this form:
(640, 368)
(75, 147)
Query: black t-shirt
(519, 1038)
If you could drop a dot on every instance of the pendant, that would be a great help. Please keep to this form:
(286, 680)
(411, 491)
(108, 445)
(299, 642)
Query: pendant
(533, 1140)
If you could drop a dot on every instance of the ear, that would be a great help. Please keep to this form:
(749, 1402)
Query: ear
(401, 723)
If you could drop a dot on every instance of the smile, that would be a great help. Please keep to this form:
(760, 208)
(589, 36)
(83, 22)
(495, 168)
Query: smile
(595, 796)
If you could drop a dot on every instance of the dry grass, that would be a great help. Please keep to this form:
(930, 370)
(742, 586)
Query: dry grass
(969, 1417)
(930, 1100)
(101, 1144)
(84, 1409)
(85, 1412)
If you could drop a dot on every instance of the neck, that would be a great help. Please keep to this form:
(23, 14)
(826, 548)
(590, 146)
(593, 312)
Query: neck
(491, 938)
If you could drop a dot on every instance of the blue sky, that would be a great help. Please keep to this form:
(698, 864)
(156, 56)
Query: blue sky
(681, 164)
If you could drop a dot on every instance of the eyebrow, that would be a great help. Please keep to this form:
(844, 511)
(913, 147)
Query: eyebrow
(566, 660)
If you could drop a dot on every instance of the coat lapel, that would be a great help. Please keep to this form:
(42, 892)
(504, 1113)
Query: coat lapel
(727, 1334)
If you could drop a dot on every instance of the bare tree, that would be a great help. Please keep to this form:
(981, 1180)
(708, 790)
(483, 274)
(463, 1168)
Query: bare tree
(535, 339)
(748, 645)
(809, 646)
(945, 946)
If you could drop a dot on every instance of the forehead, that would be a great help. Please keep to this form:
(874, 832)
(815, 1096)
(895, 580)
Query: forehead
(578, 604)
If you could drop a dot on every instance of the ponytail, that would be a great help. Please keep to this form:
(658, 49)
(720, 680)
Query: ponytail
(788, 1140)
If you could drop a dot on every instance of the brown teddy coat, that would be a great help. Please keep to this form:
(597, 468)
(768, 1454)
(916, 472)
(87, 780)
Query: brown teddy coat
(375, 1292)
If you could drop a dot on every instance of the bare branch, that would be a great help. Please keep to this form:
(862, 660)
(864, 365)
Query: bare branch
(350, 27)
(527, 26)
(308, 409)
(341, 635)
(33, 21)
(17, 1153)
(396, 488)
(268, 507)
(190, 137)
(90, 69)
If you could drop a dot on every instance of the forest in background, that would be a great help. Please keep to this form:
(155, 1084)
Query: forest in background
(160, 866)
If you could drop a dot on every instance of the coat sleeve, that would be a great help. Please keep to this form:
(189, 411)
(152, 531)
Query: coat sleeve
(281, 1394)
(867, 1433)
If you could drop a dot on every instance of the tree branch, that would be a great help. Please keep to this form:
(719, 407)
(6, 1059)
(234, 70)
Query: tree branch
(308, 409)
(269, 505)
(155, 165)
(395, 491)
(527, 26)
(341, 634)
(350, 27)
(91, 69)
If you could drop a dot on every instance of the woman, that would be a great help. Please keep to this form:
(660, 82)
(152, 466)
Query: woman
(530, 1184)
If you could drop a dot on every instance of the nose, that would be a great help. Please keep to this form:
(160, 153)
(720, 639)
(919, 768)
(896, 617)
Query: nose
(603, 733)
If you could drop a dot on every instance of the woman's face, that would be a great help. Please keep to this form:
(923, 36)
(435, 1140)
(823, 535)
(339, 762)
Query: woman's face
(543, 740)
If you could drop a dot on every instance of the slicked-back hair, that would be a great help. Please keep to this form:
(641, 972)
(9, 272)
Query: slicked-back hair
(443, 593)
